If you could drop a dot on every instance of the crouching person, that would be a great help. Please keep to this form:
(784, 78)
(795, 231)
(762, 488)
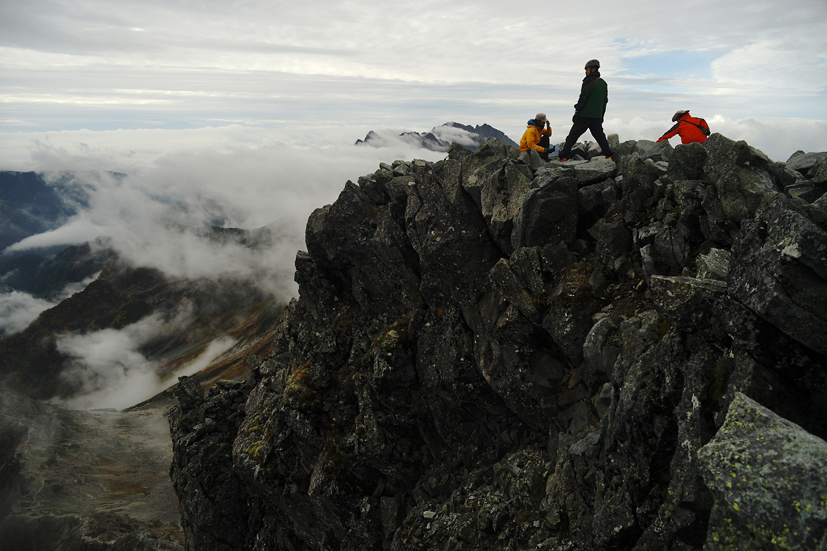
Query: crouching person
(690, 129)
(536, 136)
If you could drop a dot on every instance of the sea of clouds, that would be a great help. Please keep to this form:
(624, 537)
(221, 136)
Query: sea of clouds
(153, 201)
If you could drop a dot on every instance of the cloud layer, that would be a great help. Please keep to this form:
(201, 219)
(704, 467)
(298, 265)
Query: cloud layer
(111, 371)
(18, 309)
(157, 213)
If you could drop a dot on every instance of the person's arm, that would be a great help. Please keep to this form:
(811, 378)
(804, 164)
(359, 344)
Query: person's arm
(532, 138)
(581, 101)
(669, 133)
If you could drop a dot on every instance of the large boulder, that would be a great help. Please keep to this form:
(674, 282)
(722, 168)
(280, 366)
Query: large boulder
(806, 162)
(767, 477)
(741, 175)
(547, 213)
(687, 162)
(594, 171)
(779, 270)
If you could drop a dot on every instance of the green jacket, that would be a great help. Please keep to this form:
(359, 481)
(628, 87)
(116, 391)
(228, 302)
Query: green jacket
(594, 95)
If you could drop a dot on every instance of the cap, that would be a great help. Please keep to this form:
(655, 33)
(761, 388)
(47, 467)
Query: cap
(679, 114)
(592, 63)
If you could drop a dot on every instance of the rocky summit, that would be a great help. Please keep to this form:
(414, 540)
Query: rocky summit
(498, 352)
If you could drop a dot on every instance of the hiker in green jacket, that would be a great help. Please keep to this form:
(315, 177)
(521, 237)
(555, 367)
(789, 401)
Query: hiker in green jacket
(589, 111)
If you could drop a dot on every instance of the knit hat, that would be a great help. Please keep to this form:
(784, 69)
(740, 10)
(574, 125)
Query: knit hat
(540, 117)
(679, 114)
(592, 63)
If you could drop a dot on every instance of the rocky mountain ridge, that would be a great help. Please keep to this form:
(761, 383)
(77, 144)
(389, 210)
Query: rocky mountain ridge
(441, 137)
(498, 352)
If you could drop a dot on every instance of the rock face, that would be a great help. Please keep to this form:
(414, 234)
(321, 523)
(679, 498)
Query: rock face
(750, 465)
(496, 352)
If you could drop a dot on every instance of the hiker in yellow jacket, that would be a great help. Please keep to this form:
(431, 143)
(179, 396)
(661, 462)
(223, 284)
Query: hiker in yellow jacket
(536, 135)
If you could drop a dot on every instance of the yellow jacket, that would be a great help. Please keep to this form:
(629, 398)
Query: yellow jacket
(532, 136)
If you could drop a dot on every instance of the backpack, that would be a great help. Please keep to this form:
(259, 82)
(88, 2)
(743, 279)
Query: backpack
(704, 129)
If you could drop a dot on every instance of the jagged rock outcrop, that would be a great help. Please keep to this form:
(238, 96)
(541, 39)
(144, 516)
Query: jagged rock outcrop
(498, 352)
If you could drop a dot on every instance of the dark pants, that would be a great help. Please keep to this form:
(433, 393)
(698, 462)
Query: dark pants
(544, 142)
(593, 125)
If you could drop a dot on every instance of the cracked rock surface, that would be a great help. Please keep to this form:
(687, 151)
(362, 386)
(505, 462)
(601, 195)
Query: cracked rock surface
(498, 352)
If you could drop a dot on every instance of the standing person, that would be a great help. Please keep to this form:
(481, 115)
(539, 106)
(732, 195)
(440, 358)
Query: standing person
(536, 135)
(589, 111)
(688, 128)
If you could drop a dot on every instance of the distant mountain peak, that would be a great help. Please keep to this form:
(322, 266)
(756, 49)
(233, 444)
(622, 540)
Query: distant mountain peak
(440, 137)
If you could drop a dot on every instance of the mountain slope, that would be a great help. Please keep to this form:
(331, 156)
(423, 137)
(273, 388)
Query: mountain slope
(84, 480)
(176, 321)
(28, 206)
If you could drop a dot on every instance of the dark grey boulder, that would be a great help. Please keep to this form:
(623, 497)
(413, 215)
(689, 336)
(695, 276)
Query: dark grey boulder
(690, 304)
(506, 282)
(600, 349)
(532, 159)
(819, 173)
(382, 250)
(767, 477)
(449, 235)
(805, 162)
(638, 182)
(779, 270)
(714, 265)
(594, 171)
(741, 175)
(687, 162)
(613, 242)
(546, 214)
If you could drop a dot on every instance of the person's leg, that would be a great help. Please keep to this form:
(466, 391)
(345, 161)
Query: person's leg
(579, 126)
(544, 143)
(596, 128)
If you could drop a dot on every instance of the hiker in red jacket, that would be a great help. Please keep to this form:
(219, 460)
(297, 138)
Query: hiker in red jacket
(689, 128)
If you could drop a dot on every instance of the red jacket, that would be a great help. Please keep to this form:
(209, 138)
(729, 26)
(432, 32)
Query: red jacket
(687, 128)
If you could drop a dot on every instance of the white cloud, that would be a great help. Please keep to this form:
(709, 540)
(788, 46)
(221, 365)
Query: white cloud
(111, 371)
(17, 310)
(78, 230)
(108, 364)
(214, 350)
(156, 215)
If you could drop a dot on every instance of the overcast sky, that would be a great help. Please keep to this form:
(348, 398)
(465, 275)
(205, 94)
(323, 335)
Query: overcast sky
(326, 72)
